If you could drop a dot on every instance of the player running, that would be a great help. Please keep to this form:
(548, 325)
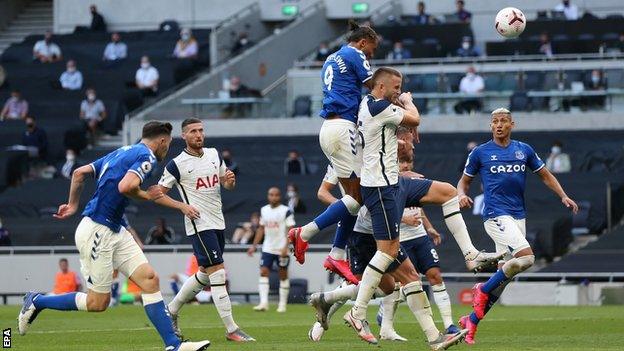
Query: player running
(502, 164)
(199, 173)
(103, 243)
(276, 220)
(343, 75)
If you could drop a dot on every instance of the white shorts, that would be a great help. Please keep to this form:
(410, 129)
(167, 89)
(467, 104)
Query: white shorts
(341, 144)
(508, 233)
(102, 250)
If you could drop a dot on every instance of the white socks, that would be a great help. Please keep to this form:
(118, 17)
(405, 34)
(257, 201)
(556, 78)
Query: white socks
(389, 306)
(191, 287)
(341, 294)
(309, 230)
(284, 289)
(418, 303)
(263, 290)
(456, 225)
(81, 301)
(222, 299)
(370, 281)
(338, 254)
(149, 299)
(443, 301)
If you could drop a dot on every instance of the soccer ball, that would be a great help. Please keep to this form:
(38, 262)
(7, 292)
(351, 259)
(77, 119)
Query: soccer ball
(510, 22)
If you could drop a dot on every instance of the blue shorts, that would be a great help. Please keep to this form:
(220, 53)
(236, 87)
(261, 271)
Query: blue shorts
(268, 260)
(411, 191)
(208, 247)
(361, 248)
(422, 254)
(385, 212)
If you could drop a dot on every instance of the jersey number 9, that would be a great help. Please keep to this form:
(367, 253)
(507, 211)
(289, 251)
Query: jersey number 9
(329, 77)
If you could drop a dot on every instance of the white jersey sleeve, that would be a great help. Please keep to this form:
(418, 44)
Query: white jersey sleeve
(392, 114)
(330, 176)
(168, 180)
(222, 167)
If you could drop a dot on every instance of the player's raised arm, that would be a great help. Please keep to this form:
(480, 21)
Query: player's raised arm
(130, 186)
(411, 116)
(75, 189)
(228, 179)
(551, 182)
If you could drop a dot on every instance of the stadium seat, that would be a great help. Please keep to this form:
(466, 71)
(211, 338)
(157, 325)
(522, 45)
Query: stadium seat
(430, 83)
(533, 80)
(580, 220)
(302, 106)
(509, 81)
(519, 102)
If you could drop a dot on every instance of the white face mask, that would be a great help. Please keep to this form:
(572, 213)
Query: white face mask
(323, 51)
(145, 64)
(244, 41)
(185, 36)
(70, 157)
(291, 194)
(466, 45)
(71, 69)
(91, 97)
(595, 79)
(555, 150)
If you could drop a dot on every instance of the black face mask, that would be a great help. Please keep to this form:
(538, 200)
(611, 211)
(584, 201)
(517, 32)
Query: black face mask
(30, 125)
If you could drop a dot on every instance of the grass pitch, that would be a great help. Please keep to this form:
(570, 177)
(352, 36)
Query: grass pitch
(505, 328)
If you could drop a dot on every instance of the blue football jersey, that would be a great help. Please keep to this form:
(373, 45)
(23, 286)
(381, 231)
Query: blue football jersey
(107, 206)
(503, 174)
(343, 74)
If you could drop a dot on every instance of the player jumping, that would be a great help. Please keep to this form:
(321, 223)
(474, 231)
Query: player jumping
(502, 164)
(198, 173)
(103, 243)
(276, 220)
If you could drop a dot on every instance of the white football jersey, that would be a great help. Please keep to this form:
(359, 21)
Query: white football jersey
(364, 222)
(378, 120)
(409, 232)
(198, 181)
(332, 178)
(276, 221)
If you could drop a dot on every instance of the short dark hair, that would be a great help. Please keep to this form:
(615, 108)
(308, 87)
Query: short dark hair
(191, 120)
(153, 129)
(382, 71)
(357, 32)
(63, 260)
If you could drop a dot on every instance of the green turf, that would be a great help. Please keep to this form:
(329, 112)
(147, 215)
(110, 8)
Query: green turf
(505, 328)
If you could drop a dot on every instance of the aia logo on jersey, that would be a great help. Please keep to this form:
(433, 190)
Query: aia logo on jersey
(272, 224)
(207, 182)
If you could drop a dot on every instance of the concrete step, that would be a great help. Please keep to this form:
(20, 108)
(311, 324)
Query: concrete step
(24, 27)
(31, 22)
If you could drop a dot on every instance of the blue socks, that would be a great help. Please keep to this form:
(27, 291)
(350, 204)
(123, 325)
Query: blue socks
(494, 282)
(474, 319)
(343, 231)
(334, 213)
(157, 315)
(64, 302)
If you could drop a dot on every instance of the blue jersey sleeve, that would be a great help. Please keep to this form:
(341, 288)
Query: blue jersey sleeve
(534, 162)
(143, 166)
(97, 166)
(361, 66)
(473, 163)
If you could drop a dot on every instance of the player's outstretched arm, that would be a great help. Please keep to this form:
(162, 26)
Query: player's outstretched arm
(411, 116)
(130, 186)
(549, 179)
(166, 201)
(462, 191)
(324, 193)
(257, 239)
(75, 189)
(229, 180)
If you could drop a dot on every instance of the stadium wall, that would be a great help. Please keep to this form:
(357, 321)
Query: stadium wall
(145, 14)
(9, 9)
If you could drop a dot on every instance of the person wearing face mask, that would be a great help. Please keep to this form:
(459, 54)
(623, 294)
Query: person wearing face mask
(45, 51)
(71, 79)
(558, 161)
(35, 139)
(294, 164)
(293, 199)
(70, 164)
(146, 78)
(92, 113)
(15, 107)
(472, 84)
(569, 10)
(186, 47)
(322, 53)
(595, 81)
(467, 49)
(398, 52)
(242, 43)
(115, 51)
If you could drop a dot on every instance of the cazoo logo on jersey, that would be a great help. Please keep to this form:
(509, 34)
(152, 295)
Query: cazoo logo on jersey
(508, 168)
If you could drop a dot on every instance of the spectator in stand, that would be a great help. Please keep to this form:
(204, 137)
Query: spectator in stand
(462, 14)
(115, 51)
(71, 79)
(5, 239)
(558, 161)
(45, 51)
(245, 231)
(293, 198)
(468, 49)
(596, 81)
(70, 164)
(186, 47)
(66, 281)
(242, 43)
(160, 234)
(569, 10)
(422, 17)
(237, 89)
(472, 83)
(322, 53)
(15, 107)
(97, 21)
(92, 113)
(398, 52)
(294, 163)
(35, 139)
(146, 78)
(226, 156)
(619, 45)
(545, 47)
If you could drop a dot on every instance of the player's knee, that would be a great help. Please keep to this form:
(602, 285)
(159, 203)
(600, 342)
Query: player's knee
(99, 304)
(518, 264)
(352, 203)
(434, 276)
